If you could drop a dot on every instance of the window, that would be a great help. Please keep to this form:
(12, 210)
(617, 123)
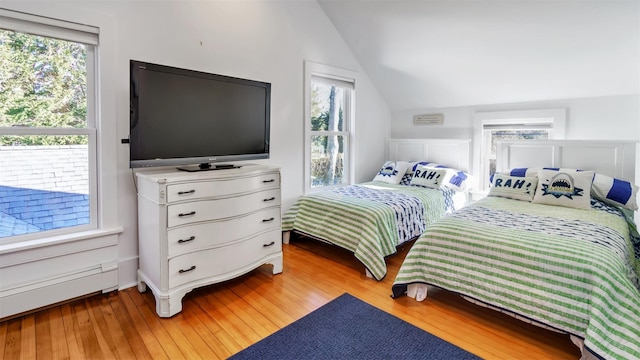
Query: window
(492, 127)
(48, 130)
(329, 97)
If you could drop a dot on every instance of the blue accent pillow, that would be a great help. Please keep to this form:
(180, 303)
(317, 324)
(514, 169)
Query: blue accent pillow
(406, 179)
(615, 192)
(518, 172)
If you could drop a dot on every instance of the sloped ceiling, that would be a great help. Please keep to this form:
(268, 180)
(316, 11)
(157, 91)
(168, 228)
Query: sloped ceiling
(462, 53)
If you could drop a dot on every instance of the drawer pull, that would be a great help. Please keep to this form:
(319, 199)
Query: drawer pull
(268, 220)
(186, 192)
(269, 199)
(182, 271)
(186, 240)
(269, 244)
(268, 181)
(187, 214)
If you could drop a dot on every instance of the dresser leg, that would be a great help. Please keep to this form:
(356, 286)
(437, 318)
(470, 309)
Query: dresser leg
(277, 265)
(169, 305)
(142, 286)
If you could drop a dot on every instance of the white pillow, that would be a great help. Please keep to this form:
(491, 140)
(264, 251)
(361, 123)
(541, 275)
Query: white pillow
(392, 172)
(513, 187)
(615, 192)
(431, 177)
(564, 187)
(413, 165)
(458, 180)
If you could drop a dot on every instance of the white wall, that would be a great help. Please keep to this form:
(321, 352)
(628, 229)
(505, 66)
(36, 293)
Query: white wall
(594, 118)
(602, 118)
(265, 40)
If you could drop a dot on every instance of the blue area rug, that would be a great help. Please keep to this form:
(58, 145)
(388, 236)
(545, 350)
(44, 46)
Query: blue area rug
(348, 328)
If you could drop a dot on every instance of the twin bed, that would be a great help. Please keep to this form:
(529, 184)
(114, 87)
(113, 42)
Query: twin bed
(565, 256)
(372, 219)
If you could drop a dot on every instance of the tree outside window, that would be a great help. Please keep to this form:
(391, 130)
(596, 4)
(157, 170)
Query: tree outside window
(329, 99)
(327, 151)
(45, 134)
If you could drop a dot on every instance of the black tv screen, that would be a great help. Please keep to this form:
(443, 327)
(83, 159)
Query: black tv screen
(186, 117)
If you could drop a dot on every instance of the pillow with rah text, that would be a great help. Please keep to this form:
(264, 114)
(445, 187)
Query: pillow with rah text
(513, 187)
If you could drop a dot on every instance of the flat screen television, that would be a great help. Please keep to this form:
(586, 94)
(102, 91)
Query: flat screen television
(193, 119)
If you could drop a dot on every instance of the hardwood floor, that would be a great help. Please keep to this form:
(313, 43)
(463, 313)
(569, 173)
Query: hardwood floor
(220, 320)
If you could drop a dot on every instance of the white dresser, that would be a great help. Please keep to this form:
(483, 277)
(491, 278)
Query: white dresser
(200, 228)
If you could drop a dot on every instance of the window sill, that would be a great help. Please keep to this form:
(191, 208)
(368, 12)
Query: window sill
(58, 240)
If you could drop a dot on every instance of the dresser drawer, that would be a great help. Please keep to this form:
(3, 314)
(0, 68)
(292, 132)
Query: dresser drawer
(215, 188)
(205, 210)
(220, 261)
(190, 238)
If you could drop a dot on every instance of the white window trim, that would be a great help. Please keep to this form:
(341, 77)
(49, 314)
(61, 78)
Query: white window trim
(105, 113)
(556, 118)
(345, 77)
(48, 27)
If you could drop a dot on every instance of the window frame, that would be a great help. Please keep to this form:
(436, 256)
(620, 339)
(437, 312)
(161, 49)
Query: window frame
(100, 106)
(552, 119)
(343, 77)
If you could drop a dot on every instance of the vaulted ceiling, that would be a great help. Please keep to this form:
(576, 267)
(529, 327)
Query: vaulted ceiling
(444, 53)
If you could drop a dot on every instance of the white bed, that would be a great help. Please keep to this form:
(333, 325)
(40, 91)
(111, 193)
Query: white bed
(371, 219)
(570, 269)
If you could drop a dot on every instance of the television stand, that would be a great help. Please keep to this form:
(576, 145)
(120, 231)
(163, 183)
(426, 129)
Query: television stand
(209, 167)
(199, 229)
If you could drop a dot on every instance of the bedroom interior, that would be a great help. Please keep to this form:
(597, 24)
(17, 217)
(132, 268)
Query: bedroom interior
(423, 72)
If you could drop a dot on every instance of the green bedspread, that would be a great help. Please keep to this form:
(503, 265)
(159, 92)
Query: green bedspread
(570, 269)
(367, 224)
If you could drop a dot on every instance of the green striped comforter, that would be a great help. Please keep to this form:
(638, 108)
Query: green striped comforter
(369, 228)
(567, 268)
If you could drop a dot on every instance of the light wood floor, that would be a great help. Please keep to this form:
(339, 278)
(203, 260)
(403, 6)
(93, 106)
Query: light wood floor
(220, 320)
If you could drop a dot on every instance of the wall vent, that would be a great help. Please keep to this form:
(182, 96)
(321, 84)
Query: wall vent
(428, 119)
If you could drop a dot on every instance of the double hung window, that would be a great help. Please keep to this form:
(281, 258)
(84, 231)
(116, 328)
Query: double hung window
(329, 95)
(492, 127)
(48, 132)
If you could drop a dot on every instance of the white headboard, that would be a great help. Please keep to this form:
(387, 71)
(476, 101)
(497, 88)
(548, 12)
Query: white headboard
(612, 158)
(455, 153)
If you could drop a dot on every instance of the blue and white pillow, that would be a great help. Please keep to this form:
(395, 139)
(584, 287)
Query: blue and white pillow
(434, 178)
(406, 179)
(564, 187)
(610, 190)
(392, 172)
(413, 165)
(458, 181)
(513, 187)
(615, 192)
(517, 172)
